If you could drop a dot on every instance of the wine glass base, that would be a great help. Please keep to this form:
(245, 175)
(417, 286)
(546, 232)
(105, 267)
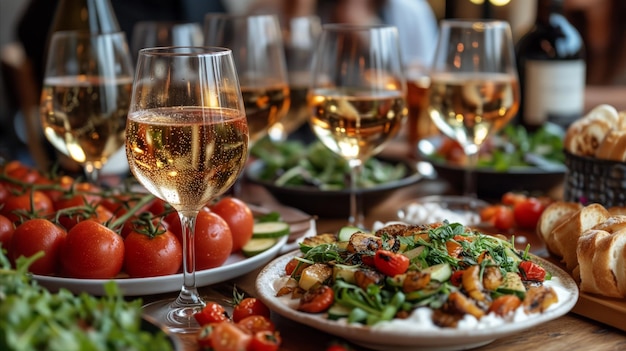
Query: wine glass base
(175, 319)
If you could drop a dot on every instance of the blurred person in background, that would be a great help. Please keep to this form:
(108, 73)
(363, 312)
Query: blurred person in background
(602, 25)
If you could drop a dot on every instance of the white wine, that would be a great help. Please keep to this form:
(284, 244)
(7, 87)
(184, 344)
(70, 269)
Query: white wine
(469, 107)
(264, 107)
(84, 117)
(356, 125)
(187, 155)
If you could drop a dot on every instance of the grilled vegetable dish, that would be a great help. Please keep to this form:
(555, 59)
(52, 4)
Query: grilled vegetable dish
(447, 267)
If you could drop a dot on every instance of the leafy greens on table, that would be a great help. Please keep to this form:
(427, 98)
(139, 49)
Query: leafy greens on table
(292, 163)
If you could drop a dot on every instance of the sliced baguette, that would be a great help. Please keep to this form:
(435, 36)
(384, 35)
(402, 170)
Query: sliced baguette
(566, 234)
(617, 210)
(585, 251)
(621, 271)
(553, 215)
(605, 263)
(612, 224)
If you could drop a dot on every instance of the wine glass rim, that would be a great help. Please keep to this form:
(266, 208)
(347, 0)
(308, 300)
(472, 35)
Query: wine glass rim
(239, 16)
(472, 22)
(356, 27)
(86, 34)
(185, 51)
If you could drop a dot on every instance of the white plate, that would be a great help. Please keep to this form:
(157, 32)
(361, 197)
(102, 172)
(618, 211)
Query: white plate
(416, 338)
(235, 265)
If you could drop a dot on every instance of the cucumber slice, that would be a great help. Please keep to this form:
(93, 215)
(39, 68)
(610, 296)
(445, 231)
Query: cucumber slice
(346, 232)
(270, 229)
(256, 246)
(440, 272)
(337, 311)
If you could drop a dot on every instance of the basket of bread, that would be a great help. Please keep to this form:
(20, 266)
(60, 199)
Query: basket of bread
(595, 156)
(590, 241)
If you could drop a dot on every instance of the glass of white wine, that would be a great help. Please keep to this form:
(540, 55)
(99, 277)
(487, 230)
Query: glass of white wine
(257, 45)
(186, 142)
(357, 96)
(86, 95)
(150, 34)
(474, 90)
(299, 37)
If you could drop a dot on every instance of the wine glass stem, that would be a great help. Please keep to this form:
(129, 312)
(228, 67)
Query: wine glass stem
(356, 204)
(92, 173)
(471, 151)
(189, 293)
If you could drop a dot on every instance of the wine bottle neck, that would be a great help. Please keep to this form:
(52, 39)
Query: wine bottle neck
(546, 8)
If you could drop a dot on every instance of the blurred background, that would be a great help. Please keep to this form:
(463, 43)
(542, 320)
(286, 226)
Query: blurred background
(13, 135)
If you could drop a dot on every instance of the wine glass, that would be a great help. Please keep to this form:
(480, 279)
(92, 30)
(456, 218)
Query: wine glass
(85, 96)
(299, 37)
(149, 34)
(474, 88)
(357, 95)
(257, 45)
(186, 143)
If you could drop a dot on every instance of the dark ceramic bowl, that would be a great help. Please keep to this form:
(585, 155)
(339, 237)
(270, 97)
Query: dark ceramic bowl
(491, 183)
(331, 204)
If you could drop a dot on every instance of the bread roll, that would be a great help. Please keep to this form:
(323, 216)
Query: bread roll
(605, 263)
(584, 136)
(618, 151)
(605, 149)
(553, 215)
(617, 210)
(585, 250)
(566, 234)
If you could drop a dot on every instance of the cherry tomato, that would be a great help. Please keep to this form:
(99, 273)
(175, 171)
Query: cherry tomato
(228, 337)
(152, 254)
(265, 341)
(512, 198)
(21, 172)
(204, 335)
(30, 202)
(81, 194)
(256, 323)
(503, 218)
(249, 306)
(57, 186)
(317, 300)
(7, 228)
(92, 251)
(213, 240)
(390, 263)
(239, 218)
(531, 271)
(457, 278)
(98, 213)
(527, 212)
(36, 235)
(212, 312)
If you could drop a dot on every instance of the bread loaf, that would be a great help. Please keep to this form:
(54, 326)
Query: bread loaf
(553, 215)
(585, 251)
(605, 263)
(597, 238)
(566, 234)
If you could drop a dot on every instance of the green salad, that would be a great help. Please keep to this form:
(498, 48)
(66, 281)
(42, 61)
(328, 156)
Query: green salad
(293, 163)
(515, 147)
(32, 318)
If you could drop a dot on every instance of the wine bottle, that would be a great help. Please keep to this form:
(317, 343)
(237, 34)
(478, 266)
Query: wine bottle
(551, 67)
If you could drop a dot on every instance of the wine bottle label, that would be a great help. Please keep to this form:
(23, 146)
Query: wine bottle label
(554, 91)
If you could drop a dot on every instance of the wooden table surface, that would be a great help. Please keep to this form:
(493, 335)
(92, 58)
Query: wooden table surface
(569, 332)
